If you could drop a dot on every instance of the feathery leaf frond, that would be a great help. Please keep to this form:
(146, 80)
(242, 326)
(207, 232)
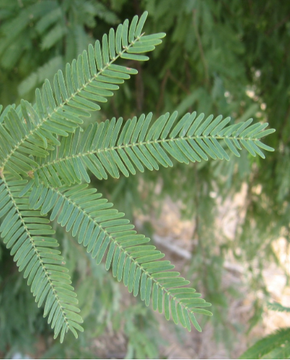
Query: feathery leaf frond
(273, 346)
(113, 148)
(29, 236)
(109, 237)
(277, 307)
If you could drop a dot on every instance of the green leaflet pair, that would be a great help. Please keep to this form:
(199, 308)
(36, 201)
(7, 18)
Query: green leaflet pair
(45, 164)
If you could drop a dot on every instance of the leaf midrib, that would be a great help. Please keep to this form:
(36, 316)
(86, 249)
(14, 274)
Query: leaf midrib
(138, 144)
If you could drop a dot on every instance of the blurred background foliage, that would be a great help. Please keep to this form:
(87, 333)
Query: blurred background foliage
(220, 57)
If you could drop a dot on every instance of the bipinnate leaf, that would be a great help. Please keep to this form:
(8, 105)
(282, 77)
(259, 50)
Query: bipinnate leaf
(44, 153)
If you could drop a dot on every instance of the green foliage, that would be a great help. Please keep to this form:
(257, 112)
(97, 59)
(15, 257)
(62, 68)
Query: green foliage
(278, 307)
(273, 346)
(15, 294)
(38, 38)
(45, 152)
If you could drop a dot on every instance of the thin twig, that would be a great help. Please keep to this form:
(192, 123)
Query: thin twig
(200, 48)
(276, 26)
(139, 89)
(162, 89)
(178, 83)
